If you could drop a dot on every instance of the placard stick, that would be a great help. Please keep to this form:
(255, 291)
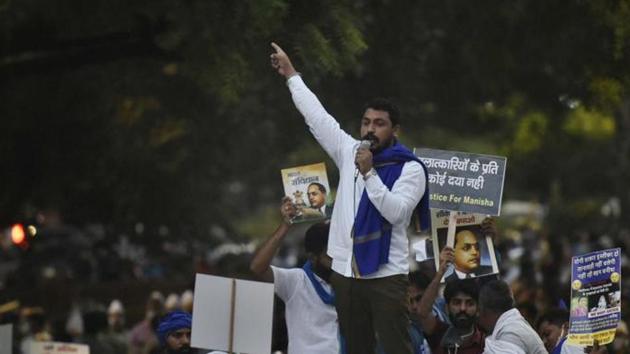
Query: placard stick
(232, 303)
(452, 224)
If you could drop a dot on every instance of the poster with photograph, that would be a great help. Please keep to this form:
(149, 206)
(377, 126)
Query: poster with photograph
(595, 297)
(474, 251)
(308, 188)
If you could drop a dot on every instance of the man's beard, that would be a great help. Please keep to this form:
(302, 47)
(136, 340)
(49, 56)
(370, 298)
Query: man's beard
(375, 140)
(463, 321)
(183, 350)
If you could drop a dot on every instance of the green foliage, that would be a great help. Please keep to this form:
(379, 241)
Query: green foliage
(265, 16)
(615, 15)
(607, 93)
(530, 133)
(590, 124)
(168, 112)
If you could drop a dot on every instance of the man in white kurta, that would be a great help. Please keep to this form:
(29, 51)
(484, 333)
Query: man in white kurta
(372, 302)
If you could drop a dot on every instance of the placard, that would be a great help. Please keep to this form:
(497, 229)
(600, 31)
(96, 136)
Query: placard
(461, 181)
(232, 315)
(595, 297)
(58, 348)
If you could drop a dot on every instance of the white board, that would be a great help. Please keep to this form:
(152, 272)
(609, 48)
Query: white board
(58, 348)
(6, 339)
(253, 315)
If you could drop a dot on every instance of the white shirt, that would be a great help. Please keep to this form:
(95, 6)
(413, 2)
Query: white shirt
(511, 327)
(311, 324)
(462, 275)
(396, 205)
(571, 349)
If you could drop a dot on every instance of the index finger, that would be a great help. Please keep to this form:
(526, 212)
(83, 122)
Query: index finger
(277, 48)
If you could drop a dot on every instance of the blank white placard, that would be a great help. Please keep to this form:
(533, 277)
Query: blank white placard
(6, 339)
(253, 315)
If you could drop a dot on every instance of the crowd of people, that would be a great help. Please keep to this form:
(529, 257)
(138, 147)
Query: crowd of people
(359, 290)
(104, 329)
(367, 260)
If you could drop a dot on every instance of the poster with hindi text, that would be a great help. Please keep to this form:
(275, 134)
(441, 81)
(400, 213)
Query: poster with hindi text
(595, 308)
(461, 181)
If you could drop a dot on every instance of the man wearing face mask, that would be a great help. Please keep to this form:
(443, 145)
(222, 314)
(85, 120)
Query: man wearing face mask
(463, 336)
(310, 312)
(381, 182)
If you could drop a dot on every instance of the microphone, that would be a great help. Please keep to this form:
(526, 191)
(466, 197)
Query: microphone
(364, 144)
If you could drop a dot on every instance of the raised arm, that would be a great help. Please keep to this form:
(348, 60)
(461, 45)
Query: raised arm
(427, 319)
(322, 125)
(260, 264)
(489, 228)
(281, 62)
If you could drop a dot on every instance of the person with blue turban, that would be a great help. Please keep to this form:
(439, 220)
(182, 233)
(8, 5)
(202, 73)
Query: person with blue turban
(174, 332)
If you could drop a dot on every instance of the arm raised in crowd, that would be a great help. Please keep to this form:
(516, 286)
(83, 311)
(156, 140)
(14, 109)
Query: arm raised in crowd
(281, 62)
(427, 319)
(323, 126)
(489, 228)
(261, 263)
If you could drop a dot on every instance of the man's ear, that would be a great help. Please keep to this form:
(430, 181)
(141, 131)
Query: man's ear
(396, 130)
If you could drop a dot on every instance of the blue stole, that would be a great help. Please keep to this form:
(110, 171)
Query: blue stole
(372, 233)
(328, 299)
(558, 348)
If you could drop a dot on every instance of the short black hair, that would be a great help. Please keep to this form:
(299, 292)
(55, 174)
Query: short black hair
(496, 296)
(419, 280)
(528, 309)
(464, 286)
(555, 316)
(319, 186)
(386, 105)
(316, 238)
(459, 232)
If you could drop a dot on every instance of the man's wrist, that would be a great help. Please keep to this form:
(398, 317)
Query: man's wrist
(287, 221)
(294, 73)
(371, 172)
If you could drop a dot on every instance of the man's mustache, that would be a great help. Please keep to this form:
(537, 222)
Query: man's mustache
(371, 137)
(464, 317)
